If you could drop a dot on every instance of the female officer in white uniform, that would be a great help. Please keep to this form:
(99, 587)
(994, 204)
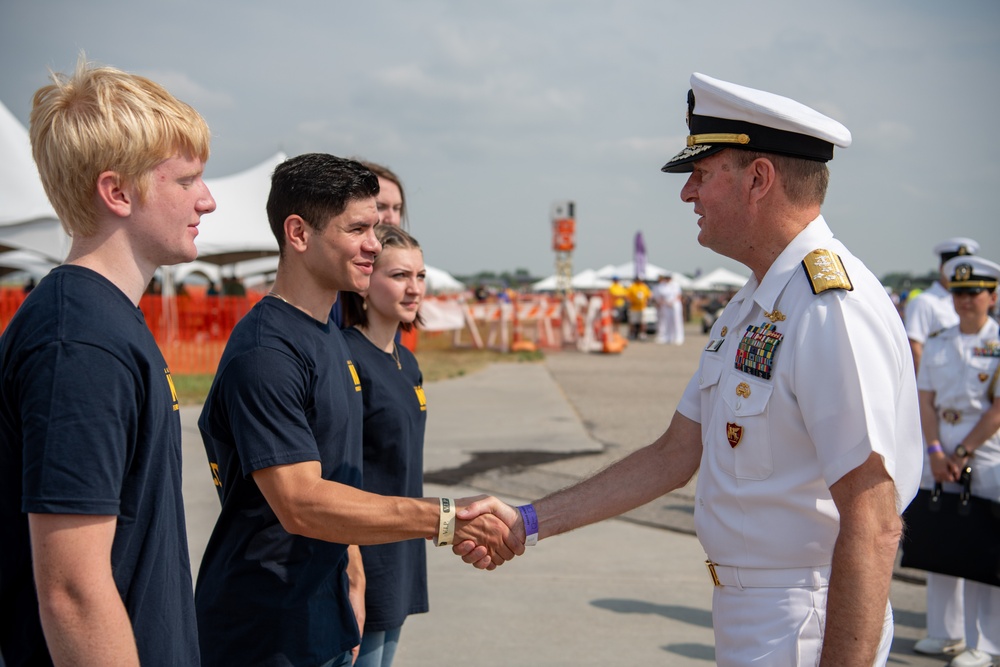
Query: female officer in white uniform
(960, 417)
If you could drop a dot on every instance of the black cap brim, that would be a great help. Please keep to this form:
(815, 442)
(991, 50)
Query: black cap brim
(683, 162)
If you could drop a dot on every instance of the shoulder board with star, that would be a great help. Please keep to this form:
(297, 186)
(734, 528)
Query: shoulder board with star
(825, 271)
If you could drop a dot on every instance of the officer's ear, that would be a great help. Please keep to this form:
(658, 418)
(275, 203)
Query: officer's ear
(762, 176)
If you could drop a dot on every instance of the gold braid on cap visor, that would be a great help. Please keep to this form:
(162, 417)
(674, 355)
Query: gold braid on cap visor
(986, 284)
(717, 138)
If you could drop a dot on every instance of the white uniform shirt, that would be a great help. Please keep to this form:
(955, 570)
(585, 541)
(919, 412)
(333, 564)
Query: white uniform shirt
(929, 312)
(841, 386)
(667, 293)
(959, 369)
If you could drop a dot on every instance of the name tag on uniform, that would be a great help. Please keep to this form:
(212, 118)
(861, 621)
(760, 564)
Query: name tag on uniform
(714, 344)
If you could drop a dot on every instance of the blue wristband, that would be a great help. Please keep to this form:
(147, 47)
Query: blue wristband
(530, 520)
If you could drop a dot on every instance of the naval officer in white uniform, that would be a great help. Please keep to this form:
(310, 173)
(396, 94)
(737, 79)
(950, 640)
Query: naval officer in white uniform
(927, 314)
(932, 310)
(802, 419)
(960, 415)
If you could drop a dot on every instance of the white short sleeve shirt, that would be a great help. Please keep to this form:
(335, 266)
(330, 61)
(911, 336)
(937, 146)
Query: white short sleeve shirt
(960, 369)
(793, 391)
(929, 312)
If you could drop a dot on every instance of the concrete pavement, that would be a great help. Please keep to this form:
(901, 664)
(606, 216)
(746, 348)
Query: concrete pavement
(626, 591)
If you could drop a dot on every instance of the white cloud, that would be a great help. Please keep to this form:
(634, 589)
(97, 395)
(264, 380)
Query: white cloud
(185, 88)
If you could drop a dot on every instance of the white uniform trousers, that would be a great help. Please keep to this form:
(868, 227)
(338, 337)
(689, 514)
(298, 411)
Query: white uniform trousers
(944, 607)
(982, 616)
(776, 626)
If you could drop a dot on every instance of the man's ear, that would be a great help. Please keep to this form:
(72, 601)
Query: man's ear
(762, 178)
(113, 195)
(297, 233)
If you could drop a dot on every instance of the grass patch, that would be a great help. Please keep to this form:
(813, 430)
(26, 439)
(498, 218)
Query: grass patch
(440, 361)
(192, 389)
(437, 358)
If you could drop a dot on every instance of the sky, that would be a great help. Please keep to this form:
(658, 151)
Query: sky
(492, 112)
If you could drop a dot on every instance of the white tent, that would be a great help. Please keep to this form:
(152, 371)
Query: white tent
(585, 280)
(23, 260)
(250, 268)
(440, 281)
(719, 279)
(238, 229)
(27, 220)
(626, 272)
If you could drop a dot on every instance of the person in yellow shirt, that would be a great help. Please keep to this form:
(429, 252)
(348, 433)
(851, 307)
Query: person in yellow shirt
(638, 295)
(619, 294)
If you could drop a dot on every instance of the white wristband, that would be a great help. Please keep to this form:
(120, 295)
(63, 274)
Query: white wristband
(530, 520)
(446, 523)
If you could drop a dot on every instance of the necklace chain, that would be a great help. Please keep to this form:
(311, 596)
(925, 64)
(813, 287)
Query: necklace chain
(395, 350)
(278, 296)
(395, 356)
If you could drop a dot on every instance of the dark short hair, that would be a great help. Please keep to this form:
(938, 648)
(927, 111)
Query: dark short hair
(317, 187)
(390, 236)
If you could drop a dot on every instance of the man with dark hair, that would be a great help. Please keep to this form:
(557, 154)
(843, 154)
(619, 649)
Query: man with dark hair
(282, 429)
(802, 419)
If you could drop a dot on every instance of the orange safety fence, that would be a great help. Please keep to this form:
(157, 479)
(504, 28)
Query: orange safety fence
(191, 329)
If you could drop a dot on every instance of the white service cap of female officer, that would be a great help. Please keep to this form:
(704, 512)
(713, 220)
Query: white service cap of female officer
(967, 271)
(728, 115)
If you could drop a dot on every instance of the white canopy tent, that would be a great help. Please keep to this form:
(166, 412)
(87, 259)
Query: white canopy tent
(25, 261)
(440, 281)
(718, 280)
(626, 272)
(27, 220)
(238, 229)
(585, 280)
(250, 268)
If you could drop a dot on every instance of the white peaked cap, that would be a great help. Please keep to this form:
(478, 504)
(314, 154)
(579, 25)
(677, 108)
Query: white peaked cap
(727, 115)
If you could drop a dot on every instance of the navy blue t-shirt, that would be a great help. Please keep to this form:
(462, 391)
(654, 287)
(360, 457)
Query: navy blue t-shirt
(285, 392)
(89, 424)
(395, 419)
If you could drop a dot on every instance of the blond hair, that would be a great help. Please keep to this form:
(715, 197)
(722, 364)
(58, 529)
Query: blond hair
(102, 119)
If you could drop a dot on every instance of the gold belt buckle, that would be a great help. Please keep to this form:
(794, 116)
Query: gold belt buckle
(711, 570)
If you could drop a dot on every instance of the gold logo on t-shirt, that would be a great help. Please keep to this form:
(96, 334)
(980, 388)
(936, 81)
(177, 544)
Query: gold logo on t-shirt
(173, 389)
(354, 374)
(421, 398)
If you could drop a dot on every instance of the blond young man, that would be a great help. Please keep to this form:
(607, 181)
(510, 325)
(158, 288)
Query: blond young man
(92, 515)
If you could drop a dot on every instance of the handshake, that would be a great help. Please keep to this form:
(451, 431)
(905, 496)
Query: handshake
(485, 532)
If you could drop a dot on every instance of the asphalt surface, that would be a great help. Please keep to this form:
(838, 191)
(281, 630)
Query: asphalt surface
(628, 591)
